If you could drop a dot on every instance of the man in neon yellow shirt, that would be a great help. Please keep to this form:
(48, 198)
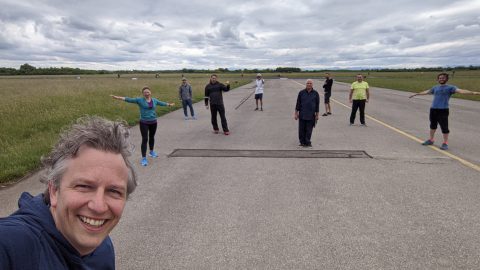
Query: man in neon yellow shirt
(359, 96)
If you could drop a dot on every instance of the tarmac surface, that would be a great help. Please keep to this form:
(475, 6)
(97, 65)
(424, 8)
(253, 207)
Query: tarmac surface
(402, 206)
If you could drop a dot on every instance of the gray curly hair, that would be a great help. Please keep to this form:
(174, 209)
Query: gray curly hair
(95, 132)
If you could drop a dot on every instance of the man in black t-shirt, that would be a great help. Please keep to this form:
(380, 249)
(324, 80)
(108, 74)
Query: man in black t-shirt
(327, 86)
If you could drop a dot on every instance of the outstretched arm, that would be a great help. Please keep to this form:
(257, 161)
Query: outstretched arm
(466, 92)
(163, 103)
(118, 97)
(426, 92)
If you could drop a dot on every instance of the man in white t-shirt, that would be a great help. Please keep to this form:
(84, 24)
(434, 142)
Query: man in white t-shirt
(259, 91)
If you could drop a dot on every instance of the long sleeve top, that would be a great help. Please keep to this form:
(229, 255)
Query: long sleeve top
(185, 92)
(308, 103)
(147, 109)
(213, 93)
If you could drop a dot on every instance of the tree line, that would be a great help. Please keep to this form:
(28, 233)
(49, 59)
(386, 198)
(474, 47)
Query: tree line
(27, 69)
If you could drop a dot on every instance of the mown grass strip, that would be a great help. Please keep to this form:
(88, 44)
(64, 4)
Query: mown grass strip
(34, 109)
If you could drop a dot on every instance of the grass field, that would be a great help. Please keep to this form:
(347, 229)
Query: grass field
(33, 109)
(418, 81)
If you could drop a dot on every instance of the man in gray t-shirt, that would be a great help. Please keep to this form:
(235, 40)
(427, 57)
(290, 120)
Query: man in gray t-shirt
(185, 93)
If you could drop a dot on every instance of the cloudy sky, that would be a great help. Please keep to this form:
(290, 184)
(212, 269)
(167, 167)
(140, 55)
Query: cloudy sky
(235, 34)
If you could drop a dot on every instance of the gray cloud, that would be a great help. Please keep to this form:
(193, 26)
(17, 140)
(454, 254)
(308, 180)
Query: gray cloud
(147, 34)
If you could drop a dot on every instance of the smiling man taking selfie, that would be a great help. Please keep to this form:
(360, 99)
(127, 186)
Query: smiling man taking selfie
(89, 179)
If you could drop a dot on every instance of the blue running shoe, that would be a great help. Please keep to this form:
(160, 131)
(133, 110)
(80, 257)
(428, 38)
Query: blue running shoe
(144, 161)
(427, 142)
(444, 146)
(153, 154)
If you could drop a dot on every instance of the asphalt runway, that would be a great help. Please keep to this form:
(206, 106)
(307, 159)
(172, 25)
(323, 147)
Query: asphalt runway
(402, 206)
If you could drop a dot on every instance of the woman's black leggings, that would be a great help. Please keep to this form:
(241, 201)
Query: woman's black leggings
(148, 135)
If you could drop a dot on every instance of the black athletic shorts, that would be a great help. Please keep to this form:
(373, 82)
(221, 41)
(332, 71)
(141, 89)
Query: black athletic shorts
(439, 116)
(327, 97)
(259, 96)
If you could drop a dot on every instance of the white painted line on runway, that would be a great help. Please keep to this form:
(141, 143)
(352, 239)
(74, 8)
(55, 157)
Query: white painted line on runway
(443, 152)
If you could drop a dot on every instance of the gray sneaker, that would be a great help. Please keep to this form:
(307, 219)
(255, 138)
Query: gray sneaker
(427, 142)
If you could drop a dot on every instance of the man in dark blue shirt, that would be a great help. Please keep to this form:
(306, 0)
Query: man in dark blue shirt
(306, 112)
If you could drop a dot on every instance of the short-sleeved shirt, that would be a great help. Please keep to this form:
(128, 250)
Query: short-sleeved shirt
(441, 95)
(259, 88)
(359, 90)
(328, 85)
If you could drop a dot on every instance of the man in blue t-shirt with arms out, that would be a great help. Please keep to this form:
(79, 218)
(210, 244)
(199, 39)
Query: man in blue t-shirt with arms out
(439, 110)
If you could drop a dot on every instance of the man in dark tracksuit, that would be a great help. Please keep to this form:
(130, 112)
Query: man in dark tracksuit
(306, 112)
(213, 93)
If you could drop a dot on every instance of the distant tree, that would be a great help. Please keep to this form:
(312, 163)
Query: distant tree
(27, 69)
(8, 71)
(287, 69)
(221, 70)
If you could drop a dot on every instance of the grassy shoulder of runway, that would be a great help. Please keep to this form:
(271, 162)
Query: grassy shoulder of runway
(34, 109)
(416, 81)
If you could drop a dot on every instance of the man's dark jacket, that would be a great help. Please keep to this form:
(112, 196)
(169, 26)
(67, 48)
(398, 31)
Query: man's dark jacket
(213, 93)
(308, 103)
(30, 240)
